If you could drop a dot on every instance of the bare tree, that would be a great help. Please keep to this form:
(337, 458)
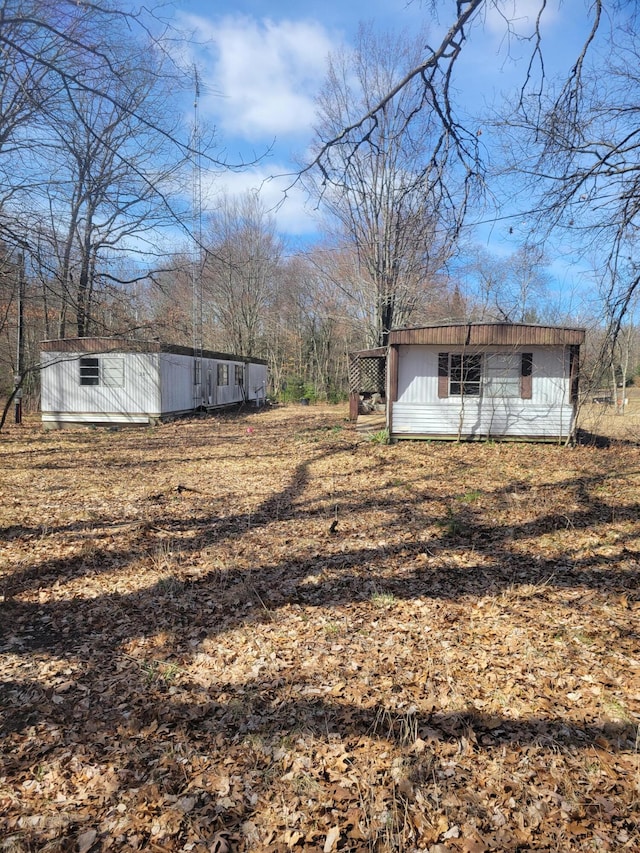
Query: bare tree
(87, 135)
(394, 196)
(510, 289)
(576, 146)
(429, 78)
(241, 265)
(101, 200)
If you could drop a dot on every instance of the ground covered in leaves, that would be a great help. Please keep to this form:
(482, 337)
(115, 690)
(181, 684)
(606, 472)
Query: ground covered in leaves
(264, 632)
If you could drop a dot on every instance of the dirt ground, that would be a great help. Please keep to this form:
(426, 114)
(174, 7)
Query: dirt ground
(266, 632)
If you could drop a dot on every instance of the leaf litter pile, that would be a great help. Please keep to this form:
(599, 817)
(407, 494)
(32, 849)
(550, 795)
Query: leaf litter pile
(264, 632)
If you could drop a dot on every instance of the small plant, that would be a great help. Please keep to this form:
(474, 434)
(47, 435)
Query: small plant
(470, 497)
(383, 599)
(150, 670)
(397, 726)
(452, 525)
(158, 670)
(164, 555)
(306, 785)
(616, 709)
(380, 437)
(168, 585)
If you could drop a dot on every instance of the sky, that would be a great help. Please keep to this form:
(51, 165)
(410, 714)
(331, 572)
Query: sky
(262, 62)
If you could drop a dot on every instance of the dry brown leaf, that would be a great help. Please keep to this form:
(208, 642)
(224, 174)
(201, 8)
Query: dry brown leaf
(332, 839)
(456, 660)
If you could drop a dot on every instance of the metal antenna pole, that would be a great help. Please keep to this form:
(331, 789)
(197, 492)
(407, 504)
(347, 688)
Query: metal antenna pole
(196, 266)
(20, 341)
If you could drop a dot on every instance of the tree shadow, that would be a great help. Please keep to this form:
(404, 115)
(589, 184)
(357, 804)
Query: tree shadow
(112, 699)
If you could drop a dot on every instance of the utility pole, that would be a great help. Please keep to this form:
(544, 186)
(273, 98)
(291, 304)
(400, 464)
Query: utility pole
(20, 343)
(196, 266)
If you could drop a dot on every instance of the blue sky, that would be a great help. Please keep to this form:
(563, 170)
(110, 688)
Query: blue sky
(261, 64)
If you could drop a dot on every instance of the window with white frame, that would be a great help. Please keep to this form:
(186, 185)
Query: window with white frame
(492, 374)
(239, 375)
(112, 372)
(89, 371)
(107, 371)
(502, 374)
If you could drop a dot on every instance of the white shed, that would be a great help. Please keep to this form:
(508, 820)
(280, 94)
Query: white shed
(104, 381)
(477, 380)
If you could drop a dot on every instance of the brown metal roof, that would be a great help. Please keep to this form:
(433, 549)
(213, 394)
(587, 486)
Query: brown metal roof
(378, 352)
(489, 334)
(110, 345)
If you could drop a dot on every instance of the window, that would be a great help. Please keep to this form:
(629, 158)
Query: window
(223, 374)
(465, 375)
(239, 375)
(89, 371)
(107, 371)
(113, 372)
(503, 372)
(494, 374)
(197, 371)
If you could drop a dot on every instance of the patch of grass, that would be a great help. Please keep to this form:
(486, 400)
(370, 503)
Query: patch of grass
(471, 496)
(383, 599)
(454, 524)
(158, 670)
(398, 726)
(616, 710)
(380, 437)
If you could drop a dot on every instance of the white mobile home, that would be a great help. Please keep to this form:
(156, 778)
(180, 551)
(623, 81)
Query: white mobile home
(473, 381)
(103, 381)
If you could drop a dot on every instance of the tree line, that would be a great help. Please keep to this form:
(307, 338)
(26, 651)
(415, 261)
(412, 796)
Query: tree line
(96, 213)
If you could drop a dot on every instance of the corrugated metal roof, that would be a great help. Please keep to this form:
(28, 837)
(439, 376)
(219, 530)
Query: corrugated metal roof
(489, 334)
(111, 345)
(378, 352)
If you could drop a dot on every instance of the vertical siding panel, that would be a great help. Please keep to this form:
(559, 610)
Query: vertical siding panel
(256, 381)
(155, 383)
(418, 411)
(176, 377)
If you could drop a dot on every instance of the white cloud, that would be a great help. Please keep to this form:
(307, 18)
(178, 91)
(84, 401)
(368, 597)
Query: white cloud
(521, 15)
(279, 192)
(261, 76)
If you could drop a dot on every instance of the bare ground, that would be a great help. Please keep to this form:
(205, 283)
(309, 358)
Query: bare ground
(265, 632)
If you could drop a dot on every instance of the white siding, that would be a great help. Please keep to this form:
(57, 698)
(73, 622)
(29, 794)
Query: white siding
(176, 377)
(417, 374)
(257, 382)
(178, 389)
(64, 399)
(229, 393)
(481, 419)
(140, 387)
(419, 411)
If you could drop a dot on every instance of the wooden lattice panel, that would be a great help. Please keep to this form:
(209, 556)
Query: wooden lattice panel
(371, 375)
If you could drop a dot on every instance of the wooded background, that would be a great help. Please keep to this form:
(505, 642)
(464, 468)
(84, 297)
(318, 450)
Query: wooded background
(104, 229)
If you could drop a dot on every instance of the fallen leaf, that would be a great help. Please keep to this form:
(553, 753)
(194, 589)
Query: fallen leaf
(85, 840)
(332, 837)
